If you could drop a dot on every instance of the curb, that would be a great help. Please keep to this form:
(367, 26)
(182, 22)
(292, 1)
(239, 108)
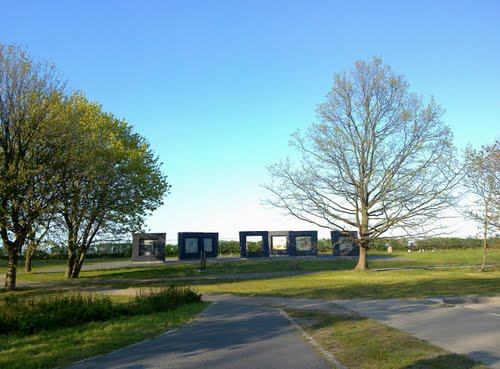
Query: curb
(328, 357)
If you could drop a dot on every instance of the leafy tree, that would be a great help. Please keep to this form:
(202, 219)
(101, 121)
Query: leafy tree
(379, 159)
(483, 182)
(29, 92)
(110, 178)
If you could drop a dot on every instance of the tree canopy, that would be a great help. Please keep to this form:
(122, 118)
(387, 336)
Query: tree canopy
(67, 163)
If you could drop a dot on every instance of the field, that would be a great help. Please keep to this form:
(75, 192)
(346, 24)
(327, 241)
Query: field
(398, 275)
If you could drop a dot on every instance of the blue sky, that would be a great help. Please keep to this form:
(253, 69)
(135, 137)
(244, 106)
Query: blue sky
(218, 86)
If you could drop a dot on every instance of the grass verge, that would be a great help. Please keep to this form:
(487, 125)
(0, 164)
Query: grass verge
(56, 348)
(361, 343)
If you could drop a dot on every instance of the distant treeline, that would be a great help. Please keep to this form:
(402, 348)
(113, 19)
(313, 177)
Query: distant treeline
(124, 249)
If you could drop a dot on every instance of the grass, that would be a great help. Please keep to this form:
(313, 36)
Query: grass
(192, 270)
(361, 343)
(57, 348)
(39, 264)
(439, 258)
(31, 314)
(337, 280)
(411, 283)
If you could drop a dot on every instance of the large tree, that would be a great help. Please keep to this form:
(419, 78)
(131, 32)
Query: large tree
(29, 92)
(483, 183)
(110, 178)
(379, 159)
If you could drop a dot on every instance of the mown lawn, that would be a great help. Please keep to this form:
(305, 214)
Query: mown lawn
(440, 258)
(361, 343)
(192, 270)
(408, 283)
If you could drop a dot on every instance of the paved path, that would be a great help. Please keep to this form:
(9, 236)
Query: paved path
(470, 329)
(229, 335)
(249, 332)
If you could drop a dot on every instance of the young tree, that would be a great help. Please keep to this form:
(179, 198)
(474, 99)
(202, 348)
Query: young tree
(380, 159)
(29, 91)
(483, 182)
(110, 178)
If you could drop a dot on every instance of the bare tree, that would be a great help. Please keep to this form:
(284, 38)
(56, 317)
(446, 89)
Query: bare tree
(483, 182)
(380, 159)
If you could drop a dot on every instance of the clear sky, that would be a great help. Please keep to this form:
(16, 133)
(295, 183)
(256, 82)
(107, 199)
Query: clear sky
(218, 86)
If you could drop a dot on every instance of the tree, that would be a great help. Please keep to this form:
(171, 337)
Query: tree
(110, 178)
(483, 182)
(380, 159)
(29, 91)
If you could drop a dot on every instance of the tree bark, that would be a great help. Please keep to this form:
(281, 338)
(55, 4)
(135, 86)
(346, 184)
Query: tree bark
(71, 263)
(10, 277)
(79, 263)
(485, 238)
(27, 263)
(362, 261)
(30, 250)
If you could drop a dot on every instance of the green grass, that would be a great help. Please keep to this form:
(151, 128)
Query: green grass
(371, 284)
(56, 348)
(361, 343)
(31, 314)
(412, 260)
(438, 258)
(192, 270)
(47, 264)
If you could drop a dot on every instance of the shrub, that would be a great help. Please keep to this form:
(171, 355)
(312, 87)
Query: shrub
(229, 247)
(148, 301)
(171, 250)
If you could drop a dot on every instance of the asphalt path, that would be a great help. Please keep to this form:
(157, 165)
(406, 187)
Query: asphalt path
(466, 328)
(228, 335)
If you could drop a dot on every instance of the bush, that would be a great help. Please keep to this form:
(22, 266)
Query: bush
(455, 243)
(30, 315)
(148, 301)
(325, 246)
(437, 243)
(171, 250)
(229, 247)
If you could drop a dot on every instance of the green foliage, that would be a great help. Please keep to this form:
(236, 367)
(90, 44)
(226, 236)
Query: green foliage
(229, 247)
(455, 243)
(254, 246)
(149, 301)
(171, 250)
(28, 315)
(325, 246)
(437, 243)
(114, 249)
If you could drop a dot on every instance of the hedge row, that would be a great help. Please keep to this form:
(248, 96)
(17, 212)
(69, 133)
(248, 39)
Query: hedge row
(233, 247)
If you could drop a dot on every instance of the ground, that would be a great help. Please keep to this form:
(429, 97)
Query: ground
(409, 278)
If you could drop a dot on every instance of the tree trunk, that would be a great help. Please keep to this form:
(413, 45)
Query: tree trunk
(362, 261)
(27, 263)
(364, 241)
(10, 277)
(30, 251)
(71, 263)
(485, 238)
(79, 263)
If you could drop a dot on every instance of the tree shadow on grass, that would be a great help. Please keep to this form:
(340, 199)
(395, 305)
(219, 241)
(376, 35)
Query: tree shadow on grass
(450, 361)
